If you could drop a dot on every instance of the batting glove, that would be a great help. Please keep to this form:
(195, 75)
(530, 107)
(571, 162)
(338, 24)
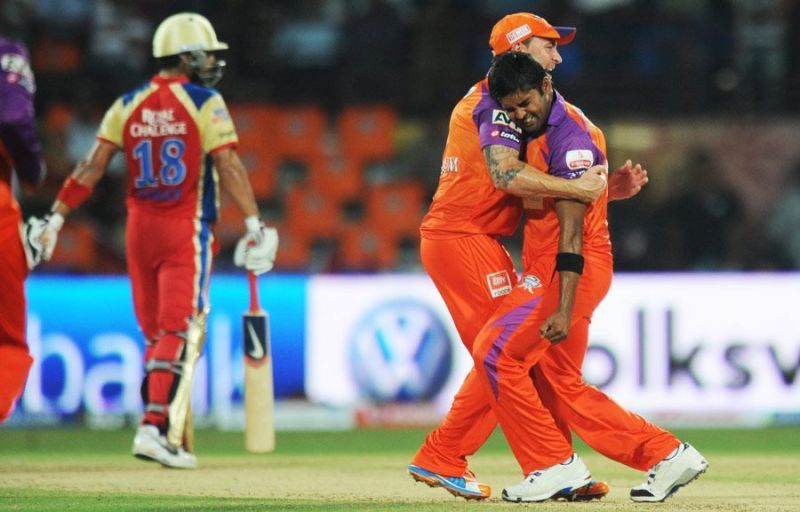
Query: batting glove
(50, 235)
(31, 233)
(256, 250)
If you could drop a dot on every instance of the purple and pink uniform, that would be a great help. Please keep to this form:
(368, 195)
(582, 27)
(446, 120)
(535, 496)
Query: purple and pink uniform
(20, 153)
(168, 129)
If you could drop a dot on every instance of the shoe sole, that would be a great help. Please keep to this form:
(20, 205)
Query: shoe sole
(688, 476)
(432, 481)
(565, 493)
(142, 455)
(576, 494)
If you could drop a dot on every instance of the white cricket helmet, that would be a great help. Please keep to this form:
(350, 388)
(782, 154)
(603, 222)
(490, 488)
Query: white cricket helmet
(191, 35)
(185, 32)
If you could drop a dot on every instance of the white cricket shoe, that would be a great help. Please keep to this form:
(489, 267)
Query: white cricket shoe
(541, 485)
(664, 479)
(149, 444)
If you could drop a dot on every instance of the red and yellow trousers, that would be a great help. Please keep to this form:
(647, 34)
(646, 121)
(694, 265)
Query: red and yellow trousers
(169, 264)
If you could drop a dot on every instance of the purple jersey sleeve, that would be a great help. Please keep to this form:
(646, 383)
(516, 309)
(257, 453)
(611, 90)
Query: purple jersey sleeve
(572, 156)
(494, 125)
(17, 119)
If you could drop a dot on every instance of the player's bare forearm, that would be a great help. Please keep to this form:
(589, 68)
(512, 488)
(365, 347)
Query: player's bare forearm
(517, 178)
(89, 171)
(570, 215)
(570, 240)
(234, 181)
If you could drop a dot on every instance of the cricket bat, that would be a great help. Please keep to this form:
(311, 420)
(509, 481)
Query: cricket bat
(259, 397)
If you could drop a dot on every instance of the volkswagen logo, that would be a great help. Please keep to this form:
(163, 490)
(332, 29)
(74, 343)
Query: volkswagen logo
(400, 351)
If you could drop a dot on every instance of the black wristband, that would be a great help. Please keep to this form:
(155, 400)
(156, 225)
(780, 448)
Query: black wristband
(569, 262)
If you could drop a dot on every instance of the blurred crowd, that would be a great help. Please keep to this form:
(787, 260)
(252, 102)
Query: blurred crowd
(728, 63)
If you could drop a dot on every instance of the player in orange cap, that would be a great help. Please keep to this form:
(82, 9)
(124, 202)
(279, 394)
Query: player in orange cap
(478, 200)
(541, 328)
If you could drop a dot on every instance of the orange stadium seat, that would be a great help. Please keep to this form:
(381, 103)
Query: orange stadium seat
(362, 248)
(338, 178)
(298, 132)
(77, 247)
(366, 133)
(58, 118)
(230, 225)
(255, 128)
(294, 251)
(395, 208)
(262, 169)
(56, 56)
(311, 213)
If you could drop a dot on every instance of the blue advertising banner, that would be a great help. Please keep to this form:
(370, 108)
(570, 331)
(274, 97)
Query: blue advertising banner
(88, 350)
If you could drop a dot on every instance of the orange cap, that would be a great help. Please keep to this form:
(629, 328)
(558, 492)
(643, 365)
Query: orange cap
(521, 26)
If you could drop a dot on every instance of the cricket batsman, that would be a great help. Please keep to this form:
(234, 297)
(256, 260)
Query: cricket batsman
(179, 144)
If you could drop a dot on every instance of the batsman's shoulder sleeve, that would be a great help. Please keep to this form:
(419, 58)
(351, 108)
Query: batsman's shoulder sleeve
(216, 125)
(112, 125)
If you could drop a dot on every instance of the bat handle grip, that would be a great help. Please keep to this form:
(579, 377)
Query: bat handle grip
(253, 281)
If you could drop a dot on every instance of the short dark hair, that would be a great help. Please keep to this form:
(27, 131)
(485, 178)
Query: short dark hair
(512, 72)
(168, 62)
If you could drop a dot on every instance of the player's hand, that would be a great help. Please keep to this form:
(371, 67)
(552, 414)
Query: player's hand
(256, 250)
(591, 184)
(626, 181)
(39, 238)
(556, 327)
(31, 233)
(49, 236)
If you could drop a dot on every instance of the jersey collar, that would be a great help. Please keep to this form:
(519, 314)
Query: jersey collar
(165, 80)
(558, 111)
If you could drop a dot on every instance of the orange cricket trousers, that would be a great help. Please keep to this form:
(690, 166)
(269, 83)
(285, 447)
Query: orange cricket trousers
(15, 361)
(537, 415)
(473, 274)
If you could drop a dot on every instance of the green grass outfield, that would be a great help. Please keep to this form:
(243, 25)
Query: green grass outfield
(81, 470)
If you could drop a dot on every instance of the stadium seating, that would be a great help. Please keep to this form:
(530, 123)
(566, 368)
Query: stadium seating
(76, 250)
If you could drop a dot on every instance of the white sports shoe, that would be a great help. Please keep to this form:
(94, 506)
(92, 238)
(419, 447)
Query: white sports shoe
(545, 483)
(664, 479)
(149, 444)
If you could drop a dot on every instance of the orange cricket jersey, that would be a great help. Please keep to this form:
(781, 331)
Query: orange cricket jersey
(168, 129)
(466, 201)
(570, 145)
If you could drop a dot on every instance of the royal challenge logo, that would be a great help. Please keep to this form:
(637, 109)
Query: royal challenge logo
(400, 351)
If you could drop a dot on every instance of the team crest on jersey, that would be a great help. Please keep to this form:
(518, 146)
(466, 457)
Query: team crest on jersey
(579, 159)
(499, 283)
(501, 117)
(220, 115)
(530, 283)
(18, 71)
